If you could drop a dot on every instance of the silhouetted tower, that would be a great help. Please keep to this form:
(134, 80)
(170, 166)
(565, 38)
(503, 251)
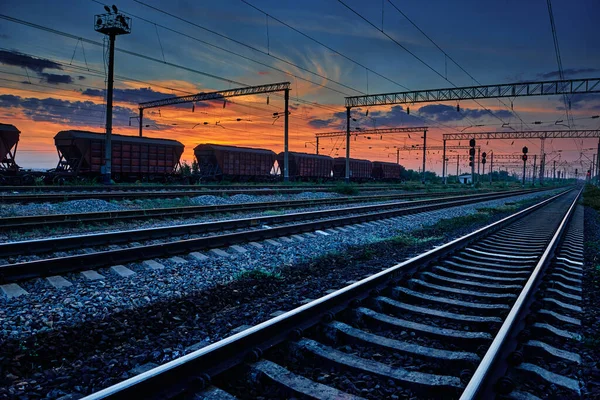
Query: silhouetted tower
(111, 24)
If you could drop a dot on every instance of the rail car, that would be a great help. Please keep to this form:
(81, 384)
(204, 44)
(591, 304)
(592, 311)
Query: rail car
(10, 172)
(386, 171)
(217, 162)
(81, 153)
(304, 166)
(360, 170)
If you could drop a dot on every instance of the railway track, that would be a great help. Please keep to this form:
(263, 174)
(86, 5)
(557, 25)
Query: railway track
(443, 324)
(166, 192)
(94, 251)
(138, 188)
(109, 217)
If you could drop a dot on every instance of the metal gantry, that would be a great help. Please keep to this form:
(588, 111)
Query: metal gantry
(518, 89)
(223, 94)
(541, 134)
(511, 90)
(372, 132)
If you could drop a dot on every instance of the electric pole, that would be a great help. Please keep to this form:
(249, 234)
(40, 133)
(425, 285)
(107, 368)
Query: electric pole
(111, 24)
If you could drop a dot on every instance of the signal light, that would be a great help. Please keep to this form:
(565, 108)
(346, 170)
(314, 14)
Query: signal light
(472, 142)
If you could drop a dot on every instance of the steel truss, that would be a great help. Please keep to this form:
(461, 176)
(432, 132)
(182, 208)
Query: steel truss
(219, 95)
(542, 135)
(373, 131)
(570, 134)
(519, 89)
(223, 94)
(512, 90)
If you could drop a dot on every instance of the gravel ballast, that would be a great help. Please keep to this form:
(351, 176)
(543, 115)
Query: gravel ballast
(590, 345)
(89, 335)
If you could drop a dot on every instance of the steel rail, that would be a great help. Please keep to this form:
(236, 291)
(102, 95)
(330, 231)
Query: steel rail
(53, 266)
(34, 221)
(37, 246)
(494, 362)
(47, 197)
(138, 188)
(197, 368)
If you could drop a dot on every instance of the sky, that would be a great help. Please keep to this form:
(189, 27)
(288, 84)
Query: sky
(53, 72)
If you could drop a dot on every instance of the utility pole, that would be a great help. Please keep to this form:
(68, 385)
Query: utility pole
(111, 24)
(554, 171)
(542, 160)
(534, 169)
(472, 160)
(478, 163)
(457, 162)
(598, 164)
(286, 156)
(347, 144)
(424, 152)
(444, 164)
(491, 167)
(317, 145)
(525, 150)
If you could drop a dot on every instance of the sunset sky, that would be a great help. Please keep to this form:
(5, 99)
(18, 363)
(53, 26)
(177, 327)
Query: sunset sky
(52, 81)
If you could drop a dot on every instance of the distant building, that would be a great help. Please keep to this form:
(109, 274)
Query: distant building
(467, 179)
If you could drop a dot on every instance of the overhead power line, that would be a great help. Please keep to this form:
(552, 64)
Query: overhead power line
(326, 46)
(414, 55)
(450, 58)
(143, 56)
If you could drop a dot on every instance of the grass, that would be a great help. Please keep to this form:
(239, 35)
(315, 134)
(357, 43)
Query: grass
(258, 274)
(405, 240)
(346, 188)
(591, 197)
(451, 224)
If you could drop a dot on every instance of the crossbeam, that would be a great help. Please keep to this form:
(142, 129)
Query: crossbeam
(218, 95)
(554, 134)
(541, 134)
(373, 131)
(223, 94)
(420, 148)
(518, 89)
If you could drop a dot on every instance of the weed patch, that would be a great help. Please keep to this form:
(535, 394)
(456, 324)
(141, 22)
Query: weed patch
(346, 188)
(258, 274)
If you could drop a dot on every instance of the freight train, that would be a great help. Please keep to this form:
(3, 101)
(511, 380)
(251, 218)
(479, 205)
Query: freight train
(81, 155)
(217, 162)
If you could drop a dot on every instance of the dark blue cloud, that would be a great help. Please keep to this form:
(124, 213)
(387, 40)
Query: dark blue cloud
(568, 72)
(55, 79)
(141, 95)
(37, 65)
(24, 61)
(321, 123)
(589, 101)
(66, 112)
(446, 113)
(394, 117)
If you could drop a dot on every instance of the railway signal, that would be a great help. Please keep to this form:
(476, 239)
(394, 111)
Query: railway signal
(483, 156)
(525, 150)
(472, 160)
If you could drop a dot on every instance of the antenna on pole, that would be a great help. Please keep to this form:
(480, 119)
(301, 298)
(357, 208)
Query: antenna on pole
(111, 24)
